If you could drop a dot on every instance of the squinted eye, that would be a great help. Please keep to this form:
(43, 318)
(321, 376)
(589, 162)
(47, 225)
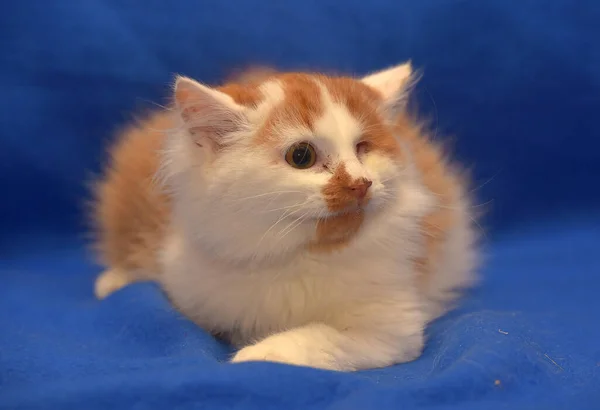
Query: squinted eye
(362, 147)
(301, 155)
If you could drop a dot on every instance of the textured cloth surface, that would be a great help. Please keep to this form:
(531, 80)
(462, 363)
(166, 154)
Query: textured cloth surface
(516, 85)
(528, 338)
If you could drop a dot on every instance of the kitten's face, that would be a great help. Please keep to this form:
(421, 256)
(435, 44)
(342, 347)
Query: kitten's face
(302, 159)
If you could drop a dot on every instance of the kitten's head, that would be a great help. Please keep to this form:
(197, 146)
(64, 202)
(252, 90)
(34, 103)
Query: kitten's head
(286, 161)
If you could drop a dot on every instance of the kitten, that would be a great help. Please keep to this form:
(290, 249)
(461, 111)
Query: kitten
(305, 217)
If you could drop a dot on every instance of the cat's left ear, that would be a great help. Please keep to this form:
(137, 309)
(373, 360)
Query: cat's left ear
(209, 116)
(394, 84)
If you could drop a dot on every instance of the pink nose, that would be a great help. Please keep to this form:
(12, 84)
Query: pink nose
(359, 189)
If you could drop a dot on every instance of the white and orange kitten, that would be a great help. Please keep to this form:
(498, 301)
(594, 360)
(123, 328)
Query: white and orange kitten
(304, 217)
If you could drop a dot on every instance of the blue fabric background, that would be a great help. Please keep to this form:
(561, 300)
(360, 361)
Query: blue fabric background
(516, 84)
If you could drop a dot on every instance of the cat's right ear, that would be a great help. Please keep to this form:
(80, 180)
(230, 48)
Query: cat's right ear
(208, 115)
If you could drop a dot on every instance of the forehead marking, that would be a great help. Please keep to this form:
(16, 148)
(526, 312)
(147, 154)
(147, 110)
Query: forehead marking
(300, 106)
(303, 102)
(338, 124)
(272, 92)
(246, 95)
(364, 104)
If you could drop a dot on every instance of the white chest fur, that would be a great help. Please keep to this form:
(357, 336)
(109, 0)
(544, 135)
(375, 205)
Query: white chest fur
(248, 304)
(357, 308)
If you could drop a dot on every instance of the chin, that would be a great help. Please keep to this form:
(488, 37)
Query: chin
(376, 205)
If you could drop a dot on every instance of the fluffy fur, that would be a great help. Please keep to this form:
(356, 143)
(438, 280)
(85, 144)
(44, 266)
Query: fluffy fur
(291, 265)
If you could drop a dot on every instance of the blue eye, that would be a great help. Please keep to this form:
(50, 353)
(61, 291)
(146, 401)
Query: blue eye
(301, 155)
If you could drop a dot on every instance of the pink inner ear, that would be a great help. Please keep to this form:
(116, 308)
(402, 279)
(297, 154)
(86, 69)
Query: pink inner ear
(188, 113)
(207, 125)
(207, 118)
(183, 95)
(213, 130)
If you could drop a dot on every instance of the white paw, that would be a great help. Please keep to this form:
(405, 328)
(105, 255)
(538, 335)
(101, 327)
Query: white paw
(108, 282)
(280, 350)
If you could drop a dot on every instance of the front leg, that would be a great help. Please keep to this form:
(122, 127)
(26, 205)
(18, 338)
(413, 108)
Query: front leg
(373, 341)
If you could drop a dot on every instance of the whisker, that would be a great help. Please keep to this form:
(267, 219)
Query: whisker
(286, 207)
(469, 216)
(479, 226)
(470, 207)
(290, 225)
(156, 104)
(293, 225)
(281, 218)
(273, 198)
(269, 193)
(485, 183)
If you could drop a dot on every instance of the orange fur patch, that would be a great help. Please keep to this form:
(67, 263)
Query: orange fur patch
(432, 167)
(335, 232)
(337, 192)
(130, 213)
(247, 95)
(363, 103)
(302, 100)
(301, 107)
(244, 87)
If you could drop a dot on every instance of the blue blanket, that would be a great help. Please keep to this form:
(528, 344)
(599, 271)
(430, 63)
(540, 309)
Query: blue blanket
(516, 85)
